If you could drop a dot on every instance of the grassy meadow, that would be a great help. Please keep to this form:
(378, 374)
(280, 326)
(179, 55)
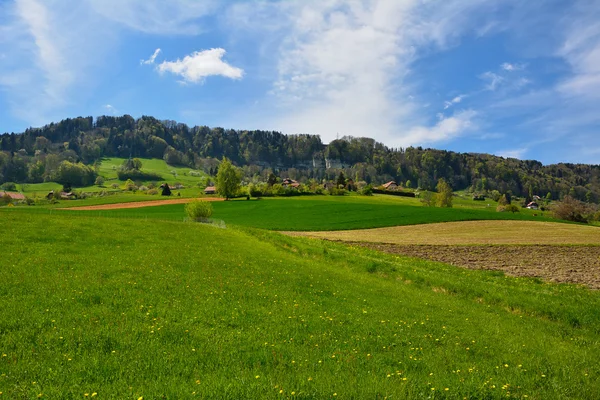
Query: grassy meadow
(314, 213)
(108, 170)
(123, 309)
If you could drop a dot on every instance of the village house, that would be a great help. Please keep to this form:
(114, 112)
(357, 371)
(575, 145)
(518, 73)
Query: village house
(391, 185)
(13, 195)
(210, 190)
(533, 205)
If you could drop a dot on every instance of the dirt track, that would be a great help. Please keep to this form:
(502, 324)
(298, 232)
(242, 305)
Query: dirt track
(572, 264)
(139, 204)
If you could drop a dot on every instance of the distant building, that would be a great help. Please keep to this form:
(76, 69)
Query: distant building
(290, 182)
(210, 190)
(13, 195)
(391, 185)
(533, 205)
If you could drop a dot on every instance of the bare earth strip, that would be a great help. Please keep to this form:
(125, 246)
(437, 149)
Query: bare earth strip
(572, 264)
(551, 251)
(469, 233)
(139, 204)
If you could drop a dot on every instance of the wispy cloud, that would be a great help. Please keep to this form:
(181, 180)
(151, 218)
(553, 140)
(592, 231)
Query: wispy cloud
(179, 17)
(194, 68)
(151, 59)
(514, 153)
(456, 100)
(512, 67)
(493, 80)
(52, 45)
(110, 109)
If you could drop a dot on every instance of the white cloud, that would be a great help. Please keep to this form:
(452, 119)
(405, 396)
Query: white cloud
(446, 129)
(456, 100)
(157, 16)
(581, 49)
(493, 80)
(111, 109)
(345, 67)
(512, 67)
(152, 58)
(53, 45)
(194, 68)
(514, 153)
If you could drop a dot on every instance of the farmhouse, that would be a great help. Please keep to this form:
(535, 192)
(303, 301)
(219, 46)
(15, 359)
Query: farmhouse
(289, 182)
(210, 190)
(13, 195)
(391, 185)
(533, 205)
(63, 195)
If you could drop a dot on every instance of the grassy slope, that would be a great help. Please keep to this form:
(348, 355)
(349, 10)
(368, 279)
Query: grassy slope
(164, 308)
(108, 170)
(323, 213)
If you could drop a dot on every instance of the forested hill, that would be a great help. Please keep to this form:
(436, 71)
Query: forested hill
(37, 154)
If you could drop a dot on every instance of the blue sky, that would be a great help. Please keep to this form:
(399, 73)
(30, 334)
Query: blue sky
(494, 76)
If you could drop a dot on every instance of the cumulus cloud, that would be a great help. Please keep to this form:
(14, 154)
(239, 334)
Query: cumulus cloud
(194, 68)
(446, 129)
(152, 58)
(346, 66)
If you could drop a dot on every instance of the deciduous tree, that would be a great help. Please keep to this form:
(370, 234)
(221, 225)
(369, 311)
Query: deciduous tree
(228, 179)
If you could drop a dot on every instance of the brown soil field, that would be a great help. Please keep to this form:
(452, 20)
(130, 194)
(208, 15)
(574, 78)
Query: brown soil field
(470, 233)
(139, 204)
(571, 264)
(551, 251)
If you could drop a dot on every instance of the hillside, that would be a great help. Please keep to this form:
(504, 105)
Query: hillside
(37, 154)
(131, 309)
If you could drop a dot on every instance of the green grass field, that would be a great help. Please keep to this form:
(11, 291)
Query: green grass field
(124, 309)
(322, 213)
(108, 170)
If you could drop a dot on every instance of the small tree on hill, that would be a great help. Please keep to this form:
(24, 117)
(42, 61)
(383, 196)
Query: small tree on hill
(228, 179)
(426, 198)
(99, 181)
(166, 190)
(444, 194)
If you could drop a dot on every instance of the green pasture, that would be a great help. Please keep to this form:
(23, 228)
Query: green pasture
(109, 166)
(129, 309)
(108, 170)
(321, 213)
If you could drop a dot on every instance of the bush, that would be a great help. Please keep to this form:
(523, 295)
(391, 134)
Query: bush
(137, 175)
(571, 209)
(152, 192)
(9, 186)
(5, 199)
(367, 190)
(99, 181)
(199, 210)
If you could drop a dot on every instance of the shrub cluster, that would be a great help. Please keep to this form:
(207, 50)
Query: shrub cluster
(199, 210)
(137, 175)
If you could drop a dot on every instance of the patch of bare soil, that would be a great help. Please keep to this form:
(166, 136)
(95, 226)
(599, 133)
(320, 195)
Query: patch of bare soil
(572, 264)
(139, 204)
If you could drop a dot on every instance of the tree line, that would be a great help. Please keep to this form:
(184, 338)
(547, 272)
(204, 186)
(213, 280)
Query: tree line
(67, 151)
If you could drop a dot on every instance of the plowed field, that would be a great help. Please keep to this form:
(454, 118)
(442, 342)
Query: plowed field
(552, 251)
